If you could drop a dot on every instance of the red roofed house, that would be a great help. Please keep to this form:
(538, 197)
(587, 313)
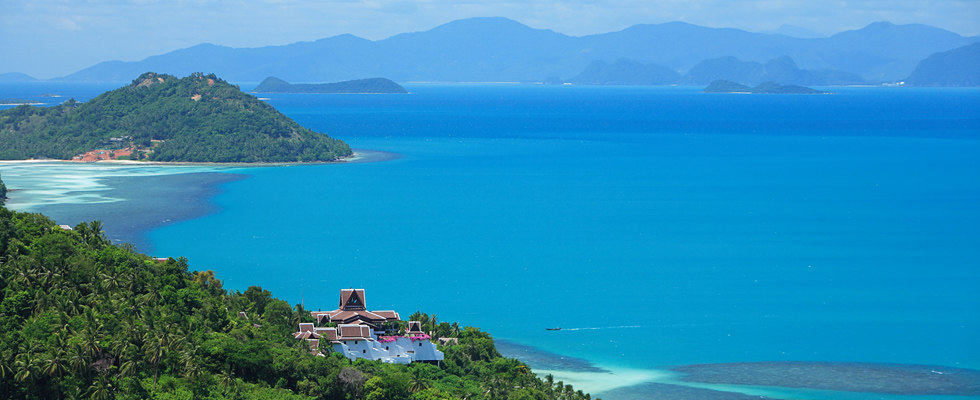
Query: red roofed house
(358, 333)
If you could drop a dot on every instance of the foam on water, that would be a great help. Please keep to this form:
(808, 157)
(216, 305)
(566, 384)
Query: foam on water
(46, 184)
(610, 379)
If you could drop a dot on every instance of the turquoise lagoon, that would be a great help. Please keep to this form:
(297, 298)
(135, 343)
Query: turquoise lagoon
(657, 226)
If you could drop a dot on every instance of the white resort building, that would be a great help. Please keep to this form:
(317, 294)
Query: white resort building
(364, 334)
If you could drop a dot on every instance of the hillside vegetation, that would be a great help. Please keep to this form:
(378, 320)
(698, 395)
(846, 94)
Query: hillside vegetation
(81, 318)
(199, 118)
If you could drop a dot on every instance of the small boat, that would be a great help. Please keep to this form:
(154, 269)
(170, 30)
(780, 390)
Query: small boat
(553, 329)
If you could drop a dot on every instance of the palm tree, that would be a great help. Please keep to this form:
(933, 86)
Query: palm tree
(26, 365)
(419, 383)
(101, 389)
(53, 364)
(110, 282)
(78, 362)
(155, 349)
(5, 369)
(96, 237)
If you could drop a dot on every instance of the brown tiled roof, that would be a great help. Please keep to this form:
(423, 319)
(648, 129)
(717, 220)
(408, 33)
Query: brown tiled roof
(327, 333)
(352, 299)
(350, 331)
(414, 327)
(306, 327)
(350, 316)
(387, 314)
(306, 335)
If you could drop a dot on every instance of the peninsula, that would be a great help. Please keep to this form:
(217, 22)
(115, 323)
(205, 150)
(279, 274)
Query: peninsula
(357, 86)
(79, 314)
(158, 117)
(723, 86)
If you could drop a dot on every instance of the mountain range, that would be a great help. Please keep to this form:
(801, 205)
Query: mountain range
(498, 49)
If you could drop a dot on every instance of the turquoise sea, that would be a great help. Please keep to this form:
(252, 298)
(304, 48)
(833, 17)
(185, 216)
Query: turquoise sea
(658, 227)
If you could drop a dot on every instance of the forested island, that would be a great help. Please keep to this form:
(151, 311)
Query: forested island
(723, 86)
(158, 117)
(80, 317)
(357, 86)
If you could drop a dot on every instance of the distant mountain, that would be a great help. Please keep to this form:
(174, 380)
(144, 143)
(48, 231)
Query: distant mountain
(795, 31)
(780, 69)
(625, 72)
(370, 85)
(879, 51)
(723, 86)
(12, 77)
(499, 49)
(957, 67)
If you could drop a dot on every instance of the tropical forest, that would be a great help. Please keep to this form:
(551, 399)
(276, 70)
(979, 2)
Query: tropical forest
(159, 117)
(83, 318)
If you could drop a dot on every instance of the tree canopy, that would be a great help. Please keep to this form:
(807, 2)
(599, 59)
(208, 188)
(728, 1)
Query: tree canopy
(199, 118)
(80, 317)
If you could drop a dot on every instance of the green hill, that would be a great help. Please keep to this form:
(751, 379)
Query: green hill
(199, 118)
(370, 85)
(82, 318)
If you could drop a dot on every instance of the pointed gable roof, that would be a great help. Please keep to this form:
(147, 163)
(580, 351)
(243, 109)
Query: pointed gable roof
(352, 300)
(414, 327)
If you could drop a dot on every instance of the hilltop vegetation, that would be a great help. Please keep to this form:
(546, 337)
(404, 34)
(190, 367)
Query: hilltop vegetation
(199, 118)
(80, 317)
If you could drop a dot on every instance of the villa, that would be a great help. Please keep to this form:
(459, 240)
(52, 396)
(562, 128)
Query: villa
(366, 334)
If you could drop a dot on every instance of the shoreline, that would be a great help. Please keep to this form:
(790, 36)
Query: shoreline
(359, 156)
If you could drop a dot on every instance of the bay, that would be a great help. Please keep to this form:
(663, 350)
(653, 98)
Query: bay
(656, 226)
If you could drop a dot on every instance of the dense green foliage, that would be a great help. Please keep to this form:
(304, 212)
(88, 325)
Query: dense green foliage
(80, 317)
(723, 86)
(370, 85)
(3, 192)
(199, 118)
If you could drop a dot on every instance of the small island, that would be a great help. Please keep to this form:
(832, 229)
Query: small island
(357, 86)
(159, 117)
(723, 86)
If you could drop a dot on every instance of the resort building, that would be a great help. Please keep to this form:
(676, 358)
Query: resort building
(358, 333)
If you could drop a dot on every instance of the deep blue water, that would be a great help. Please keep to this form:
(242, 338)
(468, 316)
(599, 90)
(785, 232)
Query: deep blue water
(658, 226)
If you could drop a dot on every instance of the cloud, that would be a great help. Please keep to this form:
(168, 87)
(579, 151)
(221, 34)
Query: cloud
(65, 24)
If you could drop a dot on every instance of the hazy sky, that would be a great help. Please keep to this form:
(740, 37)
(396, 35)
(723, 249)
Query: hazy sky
(50, 38)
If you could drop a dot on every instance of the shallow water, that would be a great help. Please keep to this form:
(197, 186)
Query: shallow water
(657, 226)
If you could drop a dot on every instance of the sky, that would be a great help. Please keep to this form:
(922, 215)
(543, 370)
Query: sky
(52, 38)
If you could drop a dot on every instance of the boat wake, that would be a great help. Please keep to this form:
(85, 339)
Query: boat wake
(595, 328)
